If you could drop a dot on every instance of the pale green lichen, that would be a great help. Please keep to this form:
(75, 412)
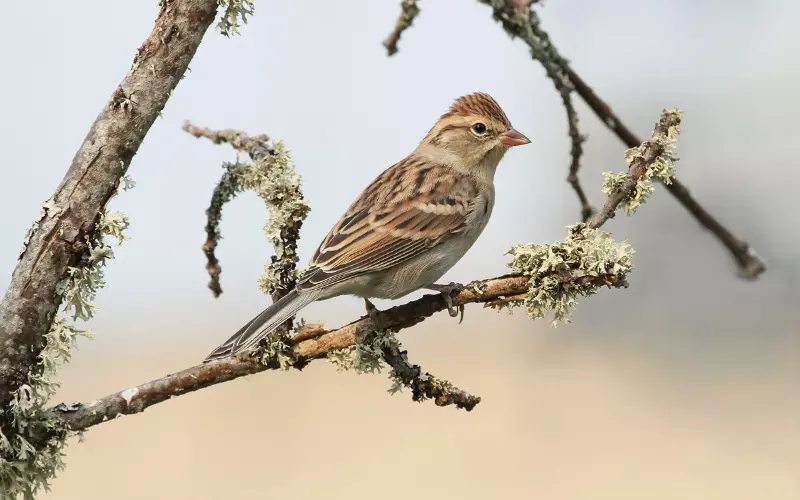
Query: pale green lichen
(367, 355)
(576, 266)
(276, 181)
(126, 183)
(276, 352)
(234, 11)
(662, 167)
(640, 194)
(31, 454)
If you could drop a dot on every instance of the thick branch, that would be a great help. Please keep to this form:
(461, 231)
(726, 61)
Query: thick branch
(58, 238)
(315, 342)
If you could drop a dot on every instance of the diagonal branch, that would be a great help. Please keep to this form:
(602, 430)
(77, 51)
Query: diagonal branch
(749, 264)
(58, 238)
(509, 15)
(314, 342)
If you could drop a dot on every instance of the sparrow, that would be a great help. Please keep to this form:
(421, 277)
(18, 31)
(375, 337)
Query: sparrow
(409, 226)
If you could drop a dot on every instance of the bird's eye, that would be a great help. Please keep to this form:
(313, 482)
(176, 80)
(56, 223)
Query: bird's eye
(479, 128)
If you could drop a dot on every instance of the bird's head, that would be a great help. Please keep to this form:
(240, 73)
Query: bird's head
(474, 133)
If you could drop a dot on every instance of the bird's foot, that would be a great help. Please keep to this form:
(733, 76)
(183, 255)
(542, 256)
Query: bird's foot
(447, 292)
(372, 311)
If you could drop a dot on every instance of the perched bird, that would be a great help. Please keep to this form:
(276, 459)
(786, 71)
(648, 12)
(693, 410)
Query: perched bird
(410, 225)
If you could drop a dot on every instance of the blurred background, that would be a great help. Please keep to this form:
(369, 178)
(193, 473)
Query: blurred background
(686, 385)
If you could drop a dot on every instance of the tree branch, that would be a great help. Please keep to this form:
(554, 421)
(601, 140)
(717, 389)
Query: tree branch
(750, 265)
(408, 12)
(274, 179)
(59, 238)
(314, 342)
(511, 15)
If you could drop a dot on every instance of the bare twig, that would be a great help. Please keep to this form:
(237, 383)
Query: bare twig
(314, 342)
(409, 11)
(59, 237)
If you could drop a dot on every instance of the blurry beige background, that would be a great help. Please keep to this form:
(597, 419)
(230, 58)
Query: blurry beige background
(687, 385)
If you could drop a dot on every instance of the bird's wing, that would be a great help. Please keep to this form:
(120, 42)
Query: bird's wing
(408, 209)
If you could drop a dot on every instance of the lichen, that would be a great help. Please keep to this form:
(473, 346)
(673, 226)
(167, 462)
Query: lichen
(276, 181)
(662, 167)
(576, 266)
(275, 351)
(366, 356)
(641, 192)
(31, 453)
(234, 11)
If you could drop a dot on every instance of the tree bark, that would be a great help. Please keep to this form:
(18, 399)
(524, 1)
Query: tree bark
(58, 238)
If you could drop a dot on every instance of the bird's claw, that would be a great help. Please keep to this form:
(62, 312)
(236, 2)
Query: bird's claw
(447, 292)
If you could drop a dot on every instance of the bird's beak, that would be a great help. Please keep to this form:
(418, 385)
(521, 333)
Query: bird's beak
(513, 138)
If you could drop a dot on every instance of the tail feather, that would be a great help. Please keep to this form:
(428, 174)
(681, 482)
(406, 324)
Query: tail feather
(260, 326)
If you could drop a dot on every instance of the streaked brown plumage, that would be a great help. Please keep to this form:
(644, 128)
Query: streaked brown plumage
(410, 225)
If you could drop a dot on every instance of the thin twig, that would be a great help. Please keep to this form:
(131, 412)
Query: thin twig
(409, 11)
(423, 385)
(280, 191)
(650, 150)
(315, 342)
(521, 21)
(509, 14)
(750, 264)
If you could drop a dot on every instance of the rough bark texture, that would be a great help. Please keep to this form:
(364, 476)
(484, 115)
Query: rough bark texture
(58, 238)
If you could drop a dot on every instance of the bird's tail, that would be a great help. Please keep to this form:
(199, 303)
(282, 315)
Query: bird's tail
(260, 326)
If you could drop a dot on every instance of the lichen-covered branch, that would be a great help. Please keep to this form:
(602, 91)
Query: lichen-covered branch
(409, 10)
(750, 265)
(547, 278)
(652, 159)
(511, 15)
(314, 345)
(62, 250)
(422, 384)
(273, 177)
(233, 11)
(520, 21)
(377, 347)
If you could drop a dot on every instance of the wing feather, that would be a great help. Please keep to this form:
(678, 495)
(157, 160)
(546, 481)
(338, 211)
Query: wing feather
(408, 209)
